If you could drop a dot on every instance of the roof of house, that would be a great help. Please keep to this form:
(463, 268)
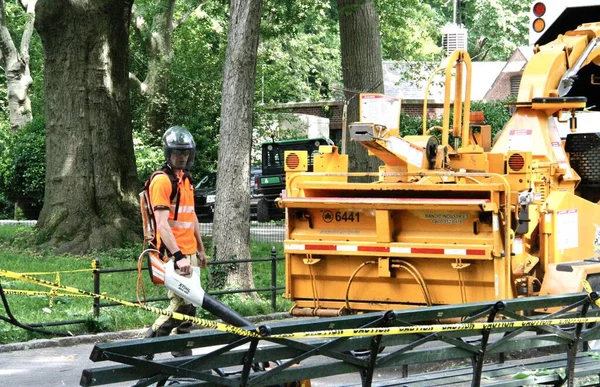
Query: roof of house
(408, 80)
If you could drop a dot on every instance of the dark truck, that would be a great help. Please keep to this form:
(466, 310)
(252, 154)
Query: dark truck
(272, 182)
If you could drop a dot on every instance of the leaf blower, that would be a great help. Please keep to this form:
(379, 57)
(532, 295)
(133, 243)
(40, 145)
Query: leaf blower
(189, 288)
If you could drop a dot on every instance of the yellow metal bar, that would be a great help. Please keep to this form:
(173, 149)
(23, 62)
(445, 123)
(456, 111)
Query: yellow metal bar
(429, 82)
(467, 103)
(458, 97)
(388, 203)
(448, 81)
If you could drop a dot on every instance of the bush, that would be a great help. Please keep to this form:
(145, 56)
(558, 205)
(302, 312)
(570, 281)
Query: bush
(495, 112)
(22, 167)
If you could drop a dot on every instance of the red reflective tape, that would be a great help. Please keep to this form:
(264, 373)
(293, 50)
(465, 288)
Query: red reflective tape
(380, 249)
(320, 247)
(425, 250)
(475, 252)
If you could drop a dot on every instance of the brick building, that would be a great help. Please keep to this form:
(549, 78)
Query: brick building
(508, 81)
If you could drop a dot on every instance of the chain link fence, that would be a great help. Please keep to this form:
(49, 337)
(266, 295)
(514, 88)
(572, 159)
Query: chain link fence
(259, 232)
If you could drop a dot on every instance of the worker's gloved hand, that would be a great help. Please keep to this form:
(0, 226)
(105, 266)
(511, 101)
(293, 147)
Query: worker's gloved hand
(182, 263)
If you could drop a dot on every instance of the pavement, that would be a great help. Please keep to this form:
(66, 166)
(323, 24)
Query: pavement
(53, 362)
(60, 361)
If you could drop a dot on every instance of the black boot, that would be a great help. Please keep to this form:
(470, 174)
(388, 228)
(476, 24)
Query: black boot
(185, 327)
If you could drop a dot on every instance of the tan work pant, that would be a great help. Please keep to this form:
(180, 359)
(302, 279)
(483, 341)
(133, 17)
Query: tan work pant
(164, 325)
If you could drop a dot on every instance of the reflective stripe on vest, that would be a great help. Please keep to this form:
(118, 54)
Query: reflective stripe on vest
(182, 225)
(183, 209)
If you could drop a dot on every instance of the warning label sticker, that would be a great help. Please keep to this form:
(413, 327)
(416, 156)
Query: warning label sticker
(567, 229)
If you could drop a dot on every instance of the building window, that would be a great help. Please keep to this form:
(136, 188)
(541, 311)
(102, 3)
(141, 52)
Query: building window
(515, 82)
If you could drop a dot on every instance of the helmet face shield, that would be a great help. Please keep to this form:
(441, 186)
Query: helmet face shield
(179, 148)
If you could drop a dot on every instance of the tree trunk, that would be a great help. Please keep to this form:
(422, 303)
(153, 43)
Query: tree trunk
(16, 67)
(361, 67)
(90, 199)
(232, 213)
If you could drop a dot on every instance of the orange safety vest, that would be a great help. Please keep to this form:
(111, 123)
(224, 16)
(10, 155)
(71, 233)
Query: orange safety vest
(181, 212)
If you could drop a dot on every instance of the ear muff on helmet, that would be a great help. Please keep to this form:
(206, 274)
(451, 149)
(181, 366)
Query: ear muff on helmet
(179, 138)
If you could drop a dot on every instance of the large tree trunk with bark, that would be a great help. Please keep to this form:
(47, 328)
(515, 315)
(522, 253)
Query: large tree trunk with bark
(232, 224)
(90, 197)
(361, 67)
(16, 66)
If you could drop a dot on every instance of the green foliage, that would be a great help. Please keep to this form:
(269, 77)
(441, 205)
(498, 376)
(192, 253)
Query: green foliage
(22, 165)
(6, 207)
(148, 158)
(412, 30)
(291, 18)
(496, 113)
(413, 126)
(497, 26)
(194, 84)
(401, 21)
(298, 68)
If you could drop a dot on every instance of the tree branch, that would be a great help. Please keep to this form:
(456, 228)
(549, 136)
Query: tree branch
(136, 84)
(28, 30)
(7, 46)
(25, 4)
(140, 27)
(186, 16)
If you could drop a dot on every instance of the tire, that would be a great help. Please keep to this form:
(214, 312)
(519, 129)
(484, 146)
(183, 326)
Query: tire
(262, 211)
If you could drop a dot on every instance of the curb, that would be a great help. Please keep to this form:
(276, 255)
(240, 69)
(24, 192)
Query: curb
(109, 336)
(71, 341)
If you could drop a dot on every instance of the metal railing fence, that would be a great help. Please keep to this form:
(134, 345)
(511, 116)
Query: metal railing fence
(98, 271)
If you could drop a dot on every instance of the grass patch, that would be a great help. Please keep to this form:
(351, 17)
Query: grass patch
(16, 256)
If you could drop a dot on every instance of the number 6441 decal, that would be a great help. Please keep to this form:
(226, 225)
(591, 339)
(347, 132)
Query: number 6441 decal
(341, 216)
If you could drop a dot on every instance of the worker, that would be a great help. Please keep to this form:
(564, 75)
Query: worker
(178, 231)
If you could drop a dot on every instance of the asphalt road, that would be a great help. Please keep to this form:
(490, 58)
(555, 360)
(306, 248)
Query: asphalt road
(60, 362)
(62, 366)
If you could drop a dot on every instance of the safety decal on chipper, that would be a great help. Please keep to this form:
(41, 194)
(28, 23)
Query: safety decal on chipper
(520, 139)
(567, 229)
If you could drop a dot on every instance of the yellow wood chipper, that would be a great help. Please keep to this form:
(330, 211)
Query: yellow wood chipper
(453, 218)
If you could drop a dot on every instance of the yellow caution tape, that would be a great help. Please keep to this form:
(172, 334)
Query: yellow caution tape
(177, 316)
(58, 271)
(435, 328)
(322, 333)
(16, 292)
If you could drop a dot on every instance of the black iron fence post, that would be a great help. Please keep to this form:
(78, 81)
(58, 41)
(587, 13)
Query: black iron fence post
(96, 275)
(273, 278)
